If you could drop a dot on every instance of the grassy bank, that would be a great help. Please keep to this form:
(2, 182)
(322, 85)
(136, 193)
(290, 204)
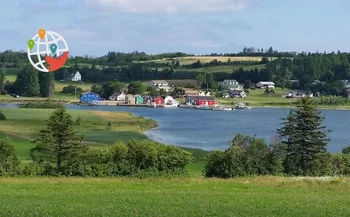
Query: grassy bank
(22, 126)
(248, 196)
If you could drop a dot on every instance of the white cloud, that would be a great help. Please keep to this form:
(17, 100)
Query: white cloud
(170, 6)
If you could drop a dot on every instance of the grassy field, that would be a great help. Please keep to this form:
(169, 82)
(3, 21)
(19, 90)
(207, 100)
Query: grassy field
(23, 125)
(223, 68)
(258, 97)
(247, 196)
(204, 59)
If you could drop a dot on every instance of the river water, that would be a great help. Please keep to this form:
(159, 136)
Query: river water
(214, 129)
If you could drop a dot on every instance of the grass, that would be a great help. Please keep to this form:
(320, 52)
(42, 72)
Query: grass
(223, 68)
(204, 59)
(258, 97)
(182, 82)
(247, 196)
(23, 125)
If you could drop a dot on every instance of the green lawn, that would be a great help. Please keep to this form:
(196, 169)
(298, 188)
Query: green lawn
(223, 68)
(258, 97)
(247, 196)
(23, 125)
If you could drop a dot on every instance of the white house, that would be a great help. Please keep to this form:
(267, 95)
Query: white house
(346, 83)
(75, 76)
(264, 84)
(230, 85)
(160, 84)
(117, 97)
(204, 93)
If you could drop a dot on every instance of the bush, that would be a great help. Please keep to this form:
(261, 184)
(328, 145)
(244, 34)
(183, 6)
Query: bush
(71, 90)
(3, 92)
(2, 116)
(43, 105)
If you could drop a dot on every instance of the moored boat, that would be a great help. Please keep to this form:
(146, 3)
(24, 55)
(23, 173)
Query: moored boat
(92, 103)
(202, 107)
(171, 105)
(187, 105)
(241, 106)
(219, 108)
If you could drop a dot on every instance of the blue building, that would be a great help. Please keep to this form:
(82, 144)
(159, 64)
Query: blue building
(90, 96)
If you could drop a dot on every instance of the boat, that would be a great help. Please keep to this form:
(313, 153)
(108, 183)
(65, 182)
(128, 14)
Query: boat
(171, 105)
(92, 103)
(203, 107)
(221, 108)
(153, 105)
(187, 105)
(241, 106)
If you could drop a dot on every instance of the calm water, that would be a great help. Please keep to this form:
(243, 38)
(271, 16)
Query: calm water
(213, 129)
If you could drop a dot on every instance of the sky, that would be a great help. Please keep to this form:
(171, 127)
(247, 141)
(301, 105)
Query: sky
(94, 27)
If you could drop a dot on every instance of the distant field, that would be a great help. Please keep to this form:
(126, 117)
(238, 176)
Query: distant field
(192, 197)
(223, 68)
(182, 82)
(204, 59)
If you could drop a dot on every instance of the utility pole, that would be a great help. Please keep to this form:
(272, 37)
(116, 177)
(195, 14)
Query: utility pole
(75, 91)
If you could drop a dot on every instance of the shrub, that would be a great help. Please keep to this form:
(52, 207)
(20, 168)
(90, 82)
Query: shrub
(3, 92)
(2, 116)
(43, 105)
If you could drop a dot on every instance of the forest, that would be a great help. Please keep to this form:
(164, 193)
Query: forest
(327, 69)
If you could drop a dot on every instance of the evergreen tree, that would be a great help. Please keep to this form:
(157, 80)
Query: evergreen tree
(27, 82)
(200, 79)
(8, 157)
(2, 78)
(46, 84)
(305, 138)
(59, 143)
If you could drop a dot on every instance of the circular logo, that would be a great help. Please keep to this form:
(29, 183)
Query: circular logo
(47, 51)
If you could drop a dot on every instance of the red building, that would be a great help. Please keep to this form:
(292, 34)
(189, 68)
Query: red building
(159, 100)
(201, 100)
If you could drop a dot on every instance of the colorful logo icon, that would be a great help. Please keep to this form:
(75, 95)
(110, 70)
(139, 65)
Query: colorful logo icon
(47, 51)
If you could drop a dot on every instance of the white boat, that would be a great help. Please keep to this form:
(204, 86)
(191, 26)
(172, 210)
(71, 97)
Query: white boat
(171, 105)
(220, 108)
(92, 103)
(153, 105)
(203, 107)
(187, 105)
(241, 106)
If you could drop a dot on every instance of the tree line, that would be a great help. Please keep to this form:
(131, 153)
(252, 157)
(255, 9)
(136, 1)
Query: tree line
(59, 151)
(300, 149)
(29, 83)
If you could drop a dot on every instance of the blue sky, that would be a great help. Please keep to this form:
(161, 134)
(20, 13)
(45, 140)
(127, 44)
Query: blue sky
(95, 27)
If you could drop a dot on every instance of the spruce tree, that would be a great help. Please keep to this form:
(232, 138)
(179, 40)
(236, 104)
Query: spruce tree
(2, 78)
(27, 82)
(9, 160)
(59, 143)
(305, 139)
(46, 84)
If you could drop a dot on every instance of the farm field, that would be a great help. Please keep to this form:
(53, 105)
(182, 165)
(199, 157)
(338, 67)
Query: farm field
(204, 59)
(223, 68)
(246, 196)
(23, 124)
